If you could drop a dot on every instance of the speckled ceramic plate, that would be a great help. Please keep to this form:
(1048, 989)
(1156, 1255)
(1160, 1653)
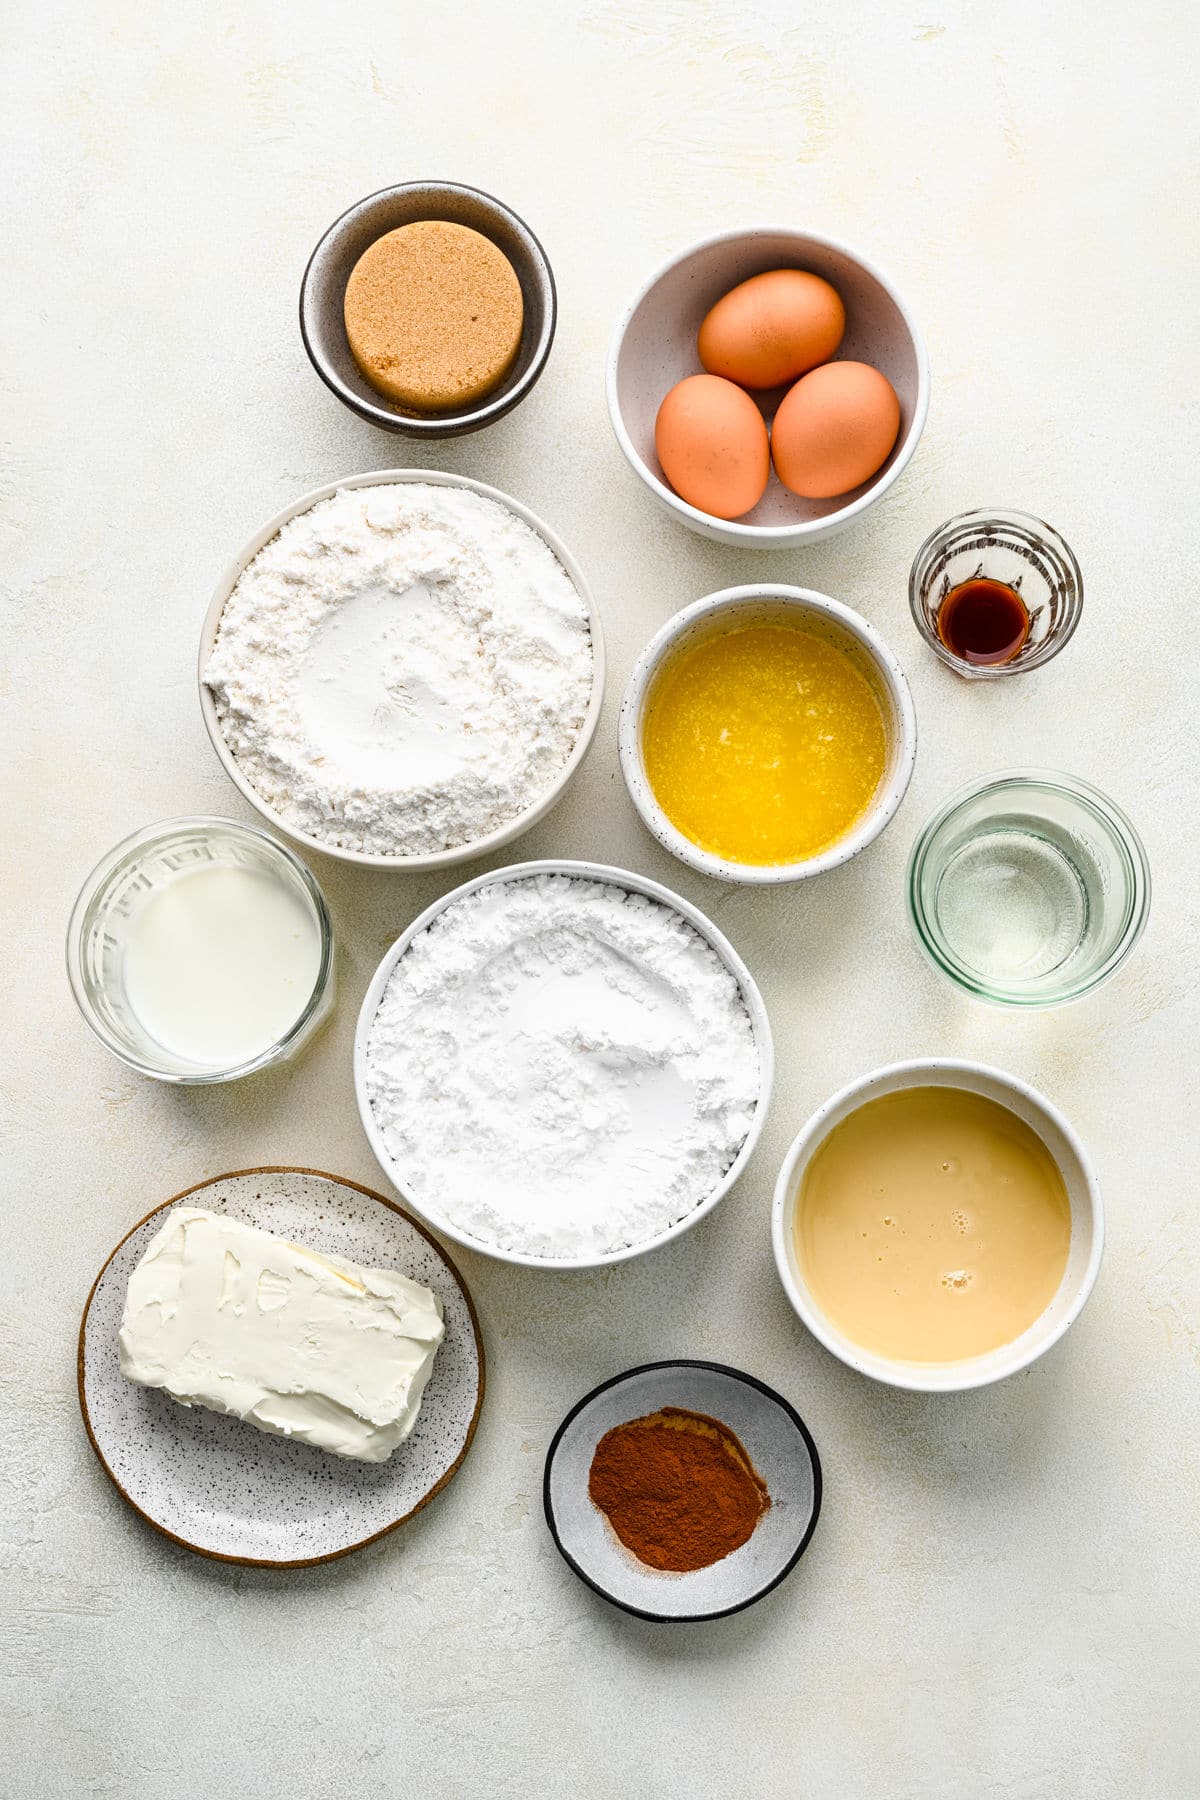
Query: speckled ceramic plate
(230, 1491)
(779, 1446)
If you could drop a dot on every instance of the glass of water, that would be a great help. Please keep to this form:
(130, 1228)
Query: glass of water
(1029, 888)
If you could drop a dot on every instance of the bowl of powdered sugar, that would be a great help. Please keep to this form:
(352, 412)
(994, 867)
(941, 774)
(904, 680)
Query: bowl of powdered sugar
(562, 1065)
(403, 669)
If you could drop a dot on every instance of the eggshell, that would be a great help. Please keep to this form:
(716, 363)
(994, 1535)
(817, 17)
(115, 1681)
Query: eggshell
(712, 443)
(772, 328)
(834, 429)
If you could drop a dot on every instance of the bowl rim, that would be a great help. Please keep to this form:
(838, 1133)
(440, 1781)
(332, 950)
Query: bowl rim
(729, 1372)
(632, 883)
(888, 796)
(733, 530)
(1094, 800)
(971, 1372)
(453, 423)
(102, 871)
(460, 853)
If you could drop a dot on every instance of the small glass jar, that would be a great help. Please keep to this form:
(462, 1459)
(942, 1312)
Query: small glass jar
(112, 904)
(1028, 888)
(1022, 552)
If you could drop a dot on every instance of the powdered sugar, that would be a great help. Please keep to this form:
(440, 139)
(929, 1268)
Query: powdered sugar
(404, 669)
(561, 1067)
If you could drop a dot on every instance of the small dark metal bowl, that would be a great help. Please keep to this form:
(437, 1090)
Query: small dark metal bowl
(323, 292)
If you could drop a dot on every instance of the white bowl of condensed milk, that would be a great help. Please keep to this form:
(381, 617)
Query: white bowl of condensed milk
(937, 1225)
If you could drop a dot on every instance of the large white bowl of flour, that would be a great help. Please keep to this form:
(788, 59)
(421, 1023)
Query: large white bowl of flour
(403, 669)
(562, 1064)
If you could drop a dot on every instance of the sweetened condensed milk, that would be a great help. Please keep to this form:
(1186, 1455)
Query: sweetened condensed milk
(932, 1225)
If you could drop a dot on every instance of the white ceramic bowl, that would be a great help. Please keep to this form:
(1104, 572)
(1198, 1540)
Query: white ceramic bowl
(779, 1445)
(720, 612)
(440, 859)
(1087, 1225)
(654, 346)
(631, 883)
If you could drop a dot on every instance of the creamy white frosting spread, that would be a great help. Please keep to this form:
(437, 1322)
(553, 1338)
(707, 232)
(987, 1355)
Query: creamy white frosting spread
(223, 1315)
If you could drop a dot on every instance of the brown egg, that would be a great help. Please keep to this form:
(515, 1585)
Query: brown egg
(772, 328)
(712, 444)
(834, 429)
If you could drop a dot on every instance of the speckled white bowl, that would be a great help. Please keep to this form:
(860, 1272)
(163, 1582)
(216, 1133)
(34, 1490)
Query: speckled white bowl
(654, 346)
(631, 883)
(1087, 1224)
(723, 611)
(440, 859)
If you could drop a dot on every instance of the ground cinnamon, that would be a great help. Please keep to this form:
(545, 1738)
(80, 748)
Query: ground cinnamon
(677, 1488)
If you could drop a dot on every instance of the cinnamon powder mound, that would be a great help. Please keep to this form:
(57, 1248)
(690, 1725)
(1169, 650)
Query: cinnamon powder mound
(678, 1489)
(433, 315)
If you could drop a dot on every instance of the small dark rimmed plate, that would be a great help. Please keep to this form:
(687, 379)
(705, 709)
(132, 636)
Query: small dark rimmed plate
(779, 1445)
(323, 294)
(239, 1495)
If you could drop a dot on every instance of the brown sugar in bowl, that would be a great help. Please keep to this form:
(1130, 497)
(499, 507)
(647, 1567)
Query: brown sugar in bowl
(433, 315)
(323, 296)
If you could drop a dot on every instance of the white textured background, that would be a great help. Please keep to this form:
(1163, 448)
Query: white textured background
(1000, 1600)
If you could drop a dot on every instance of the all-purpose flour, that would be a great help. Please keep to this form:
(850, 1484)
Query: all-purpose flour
(403, 669)
(561, 1067)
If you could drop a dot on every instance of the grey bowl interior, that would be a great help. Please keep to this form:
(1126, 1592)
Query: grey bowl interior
(323, 291)
(778, 1444)
(659, 347)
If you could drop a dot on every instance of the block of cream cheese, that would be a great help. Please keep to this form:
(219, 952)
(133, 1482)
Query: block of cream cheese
(224, 1315)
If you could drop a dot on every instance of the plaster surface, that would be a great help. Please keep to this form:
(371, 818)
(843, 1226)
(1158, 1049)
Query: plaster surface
(1001, 1598)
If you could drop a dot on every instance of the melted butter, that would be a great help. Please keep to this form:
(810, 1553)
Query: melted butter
(933, 1225)
(764, 744)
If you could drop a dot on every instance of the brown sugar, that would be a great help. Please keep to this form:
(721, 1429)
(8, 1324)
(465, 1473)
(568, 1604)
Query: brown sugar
(433, 315)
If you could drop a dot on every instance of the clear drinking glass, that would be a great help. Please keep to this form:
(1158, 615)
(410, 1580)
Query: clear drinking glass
(1017, 549)
(110, 902)
(1029, 888)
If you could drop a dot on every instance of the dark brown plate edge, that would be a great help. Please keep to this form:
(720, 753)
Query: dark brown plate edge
(266, 1562)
